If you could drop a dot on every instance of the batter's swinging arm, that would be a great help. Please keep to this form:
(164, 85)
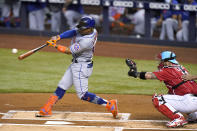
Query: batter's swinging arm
(21, 57)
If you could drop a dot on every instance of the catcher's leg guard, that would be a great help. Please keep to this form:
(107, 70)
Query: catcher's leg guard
(165, 108)
(177, 119)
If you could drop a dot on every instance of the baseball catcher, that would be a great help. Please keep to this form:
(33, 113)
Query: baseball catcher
(182, 94)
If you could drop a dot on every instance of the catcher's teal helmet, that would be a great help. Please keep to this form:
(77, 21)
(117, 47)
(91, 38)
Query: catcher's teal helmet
(169, 56)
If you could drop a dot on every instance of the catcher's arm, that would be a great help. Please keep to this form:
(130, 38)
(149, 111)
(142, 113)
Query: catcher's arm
(189, 77)
(133, 71)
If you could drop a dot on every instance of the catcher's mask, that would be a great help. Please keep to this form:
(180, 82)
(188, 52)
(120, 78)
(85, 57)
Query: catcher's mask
(169, 56)
(166, 56)
(85, 23)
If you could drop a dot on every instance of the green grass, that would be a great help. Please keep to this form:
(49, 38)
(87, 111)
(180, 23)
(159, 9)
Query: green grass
(42, 71)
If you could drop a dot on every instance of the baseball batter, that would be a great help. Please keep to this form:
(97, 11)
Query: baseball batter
(84, 38)
(182, 94)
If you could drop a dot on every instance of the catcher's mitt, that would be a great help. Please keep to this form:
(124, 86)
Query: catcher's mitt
(131, 64)
(133, 68)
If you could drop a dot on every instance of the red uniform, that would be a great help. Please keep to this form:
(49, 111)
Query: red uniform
(171, 76)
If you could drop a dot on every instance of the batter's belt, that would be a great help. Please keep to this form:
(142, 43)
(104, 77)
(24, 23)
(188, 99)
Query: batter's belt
(76, 61)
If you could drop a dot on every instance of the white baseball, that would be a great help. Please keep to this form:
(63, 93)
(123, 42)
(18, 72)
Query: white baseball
(14, 50)
(138, 36)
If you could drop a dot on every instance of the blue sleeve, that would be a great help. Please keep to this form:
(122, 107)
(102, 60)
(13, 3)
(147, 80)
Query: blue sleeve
(68, 34)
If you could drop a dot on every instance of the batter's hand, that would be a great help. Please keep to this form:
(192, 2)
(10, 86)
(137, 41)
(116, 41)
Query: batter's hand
(51, 43)
(56, 38)
(133, 68)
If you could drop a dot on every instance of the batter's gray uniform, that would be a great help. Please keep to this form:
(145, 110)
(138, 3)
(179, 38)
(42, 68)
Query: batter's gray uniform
(77, 74)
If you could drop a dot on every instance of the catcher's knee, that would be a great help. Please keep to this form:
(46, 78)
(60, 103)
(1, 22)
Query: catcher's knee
(158, 100)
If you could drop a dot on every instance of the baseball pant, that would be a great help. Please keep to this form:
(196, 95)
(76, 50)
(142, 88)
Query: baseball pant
(168, 27)
(16, 9)
(182, 35)
(36, 20)
(77, 74)
(185, 104)
(55, 21)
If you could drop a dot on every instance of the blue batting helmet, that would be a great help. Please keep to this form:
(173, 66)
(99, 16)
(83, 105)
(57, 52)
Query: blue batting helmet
(169, 56)
(86, 22)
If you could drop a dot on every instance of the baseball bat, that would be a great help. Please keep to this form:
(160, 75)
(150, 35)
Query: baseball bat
(21, 57)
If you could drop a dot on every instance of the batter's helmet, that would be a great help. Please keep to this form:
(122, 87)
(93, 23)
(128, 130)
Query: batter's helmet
(169, 56)
(86, 22)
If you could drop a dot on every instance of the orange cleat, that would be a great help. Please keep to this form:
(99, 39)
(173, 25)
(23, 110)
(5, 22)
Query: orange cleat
(112, 107)
(46, 110)
(44, 113)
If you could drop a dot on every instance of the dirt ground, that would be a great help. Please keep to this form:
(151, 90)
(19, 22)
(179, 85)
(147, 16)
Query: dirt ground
(139, 106)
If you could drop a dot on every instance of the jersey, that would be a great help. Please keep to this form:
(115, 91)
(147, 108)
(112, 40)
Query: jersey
(169, 13)
(82, 47)
(171, 76)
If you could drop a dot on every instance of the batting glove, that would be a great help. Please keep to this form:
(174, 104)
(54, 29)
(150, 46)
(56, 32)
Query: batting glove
(51, 43)
(54, 39)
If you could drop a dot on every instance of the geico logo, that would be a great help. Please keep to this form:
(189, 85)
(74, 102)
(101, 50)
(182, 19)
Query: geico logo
(123, 3)
(190, 7)
(90, 2)
(159, 6)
